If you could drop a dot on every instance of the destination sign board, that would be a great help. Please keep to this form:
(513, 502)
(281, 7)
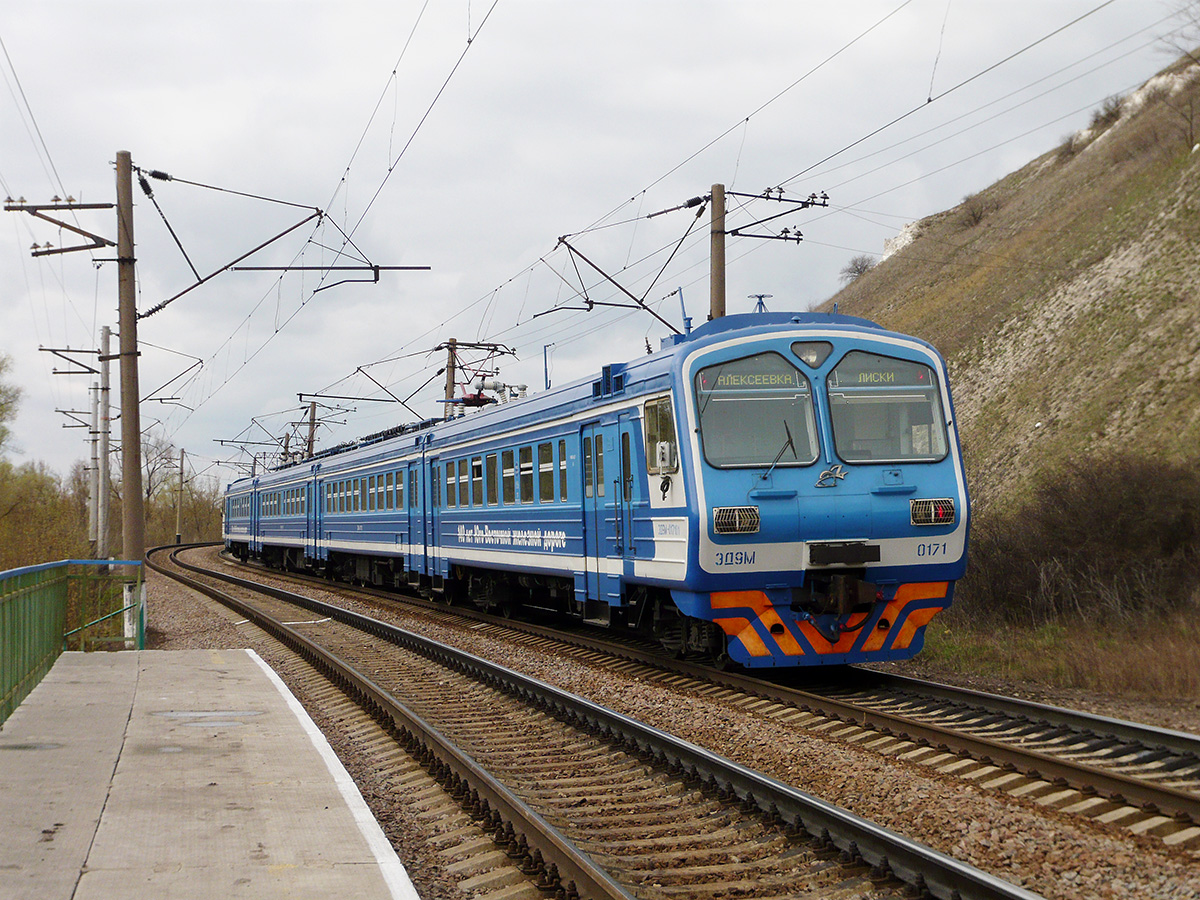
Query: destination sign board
(763, 372)
(861, 369)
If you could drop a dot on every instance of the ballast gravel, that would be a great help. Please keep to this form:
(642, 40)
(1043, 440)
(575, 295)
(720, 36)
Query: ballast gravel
(1050, 853)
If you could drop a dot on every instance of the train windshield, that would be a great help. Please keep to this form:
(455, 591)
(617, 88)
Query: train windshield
(885, 410)
(756, 411)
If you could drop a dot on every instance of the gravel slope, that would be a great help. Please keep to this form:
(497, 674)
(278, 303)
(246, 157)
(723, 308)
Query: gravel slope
(1054, 854)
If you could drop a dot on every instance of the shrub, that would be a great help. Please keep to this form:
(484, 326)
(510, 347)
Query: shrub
(974, 209)
(858, 265)
(1107, 115)
(1113, 538)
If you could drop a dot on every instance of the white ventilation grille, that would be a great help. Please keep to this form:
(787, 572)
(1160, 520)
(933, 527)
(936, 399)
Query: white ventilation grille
(735, 519)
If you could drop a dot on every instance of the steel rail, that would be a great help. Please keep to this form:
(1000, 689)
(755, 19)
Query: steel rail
(1150, 736)
(943, 876)
(1089, 779)
(572, 865)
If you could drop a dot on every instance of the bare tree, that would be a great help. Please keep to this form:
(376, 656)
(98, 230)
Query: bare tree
(858, 265)
(1183, 40)
(9, 395)
(159, 466)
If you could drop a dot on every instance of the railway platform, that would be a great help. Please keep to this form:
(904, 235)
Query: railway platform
(182, 774)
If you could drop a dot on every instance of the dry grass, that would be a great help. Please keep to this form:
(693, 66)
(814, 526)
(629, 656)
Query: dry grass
(1065, 298)
(1159, 659)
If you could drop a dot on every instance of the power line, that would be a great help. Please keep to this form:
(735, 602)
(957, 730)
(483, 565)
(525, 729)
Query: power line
(948, 91)
(347, 235)
(491, 296)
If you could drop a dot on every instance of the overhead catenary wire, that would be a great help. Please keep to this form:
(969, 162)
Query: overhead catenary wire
(602, 224)
(348, 234)
(493, 293)
(943, 94)
(491, 298)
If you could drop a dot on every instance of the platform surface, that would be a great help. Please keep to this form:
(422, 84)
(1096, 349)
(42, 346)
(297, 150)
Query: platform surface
(181, 774)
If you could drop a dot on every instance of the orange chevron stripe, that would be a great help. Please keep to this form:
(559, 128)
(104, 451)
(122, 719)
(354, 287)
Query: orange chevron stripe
(787, 643)
(919, 618)
(905, 595)
(929, 590)
(755, 600)
(741, 629)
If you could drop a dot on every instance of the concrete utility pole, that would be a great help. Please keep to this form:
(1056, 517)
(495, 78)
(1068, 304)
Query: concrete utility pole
(133, 528)
(126, 290)
(450, 363)
(94, 473)
(716, 256)
(105, 430)
(179, 503)
(312, 428)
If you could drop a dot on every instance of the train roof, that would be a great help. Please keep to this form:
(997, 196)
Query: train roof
(642, 373)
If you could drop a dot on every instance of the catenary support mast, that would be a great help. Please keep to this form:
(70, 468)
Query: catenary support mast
(133, 529)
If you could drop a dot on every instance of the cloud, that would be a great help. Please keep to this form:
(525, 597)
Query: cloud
(559, 115)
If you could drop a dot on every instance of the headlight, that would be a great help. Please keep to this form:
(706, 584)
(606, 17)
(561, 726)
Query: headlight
(932, 512)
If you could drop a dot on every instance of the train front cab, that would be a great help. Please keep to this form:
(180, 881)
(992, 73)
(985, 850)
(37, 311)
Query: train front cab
(831, 480)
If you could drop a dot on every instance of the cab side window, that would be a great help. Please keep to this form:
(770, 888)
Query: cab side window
(662, 449)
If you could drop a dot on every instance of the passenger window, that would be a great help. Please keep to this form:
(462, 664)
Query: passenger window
(389, 495)
(451, 484)
(510, 482)
(588, 480)
(526, 459)
(562, 470)
(491, 479)
(371, 494)
(599, 465)
(546, 472)
(477, 481)
(462, 483)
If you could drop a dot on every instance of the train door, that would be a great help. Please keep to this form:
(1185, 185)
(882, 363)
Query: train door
(314, 506)
(415, 536)
(626, 487)
(433, 519)
(602, 567)
(255, 534)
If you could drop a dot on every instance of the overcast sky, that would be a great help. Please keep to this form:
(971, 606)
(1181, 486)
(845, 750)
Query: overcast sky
(469, 136)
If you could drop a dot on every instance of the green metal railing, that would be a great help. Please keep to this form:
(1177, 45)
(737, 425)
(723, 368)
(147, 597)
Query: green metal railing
(73, 604)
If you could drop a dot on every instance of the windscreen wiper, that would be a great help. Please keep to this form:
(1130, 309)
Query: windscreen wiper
(778, 456)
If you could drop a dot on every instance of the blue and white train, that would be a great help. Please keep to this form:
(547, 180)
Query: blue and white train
(770, 489)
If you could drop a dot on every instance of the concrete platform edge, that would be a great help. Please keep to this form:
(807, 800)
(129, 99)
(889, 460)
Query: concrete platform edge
(389, 864)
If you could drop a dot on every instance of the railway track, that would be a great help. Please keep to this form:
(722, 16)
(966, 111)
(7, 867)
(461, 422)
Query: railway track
(1138, 777)
(590, 802)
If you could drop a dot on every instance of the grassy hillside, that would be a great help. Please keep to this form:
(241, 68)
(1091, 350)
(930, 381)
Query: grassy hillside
(1066, 297)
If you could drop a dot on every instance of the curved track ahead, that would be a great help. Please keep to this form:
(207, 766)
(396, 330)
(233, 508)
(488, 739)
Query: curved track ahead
(765, 838)
(1137, 776)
